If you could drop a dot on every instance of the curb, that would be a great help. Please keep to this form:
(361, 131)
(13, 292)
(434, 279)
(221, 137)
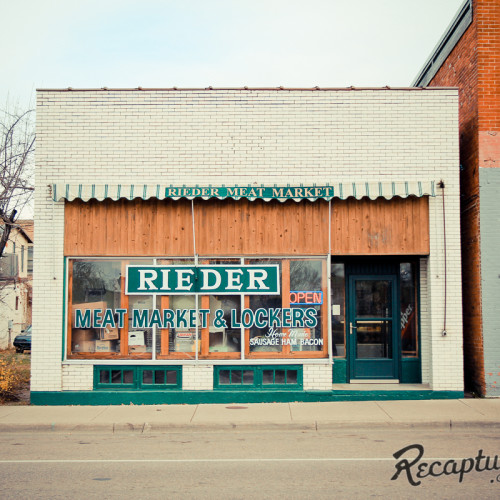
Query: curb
(145, 427)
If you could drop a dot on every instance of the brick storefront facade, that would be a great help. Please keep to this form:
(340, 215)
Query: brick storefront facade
(92, 139)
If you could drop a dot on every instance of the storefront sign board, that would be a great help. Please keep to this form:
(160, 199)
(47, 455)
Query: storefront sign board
(204, 279)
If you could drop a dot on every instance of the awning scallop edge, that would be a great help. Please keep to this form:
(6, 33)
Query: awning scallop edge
(341, 190)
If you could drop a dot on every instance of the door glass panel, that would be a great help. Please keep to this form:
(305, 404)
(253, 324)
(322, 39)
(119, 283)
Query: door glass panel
(374, 339)
(373, 299)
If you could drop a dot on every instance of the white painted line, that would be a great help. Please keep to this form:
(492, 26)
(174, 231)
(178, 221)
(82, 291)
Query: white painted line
(208, 460)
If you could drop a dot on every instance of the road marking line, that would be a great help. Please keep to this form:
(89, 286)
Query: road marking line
(200, 460)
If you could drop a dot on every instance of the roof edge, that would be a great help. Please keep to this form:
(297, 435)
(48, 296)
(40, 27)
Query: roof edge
(445, 45)
(199, 89)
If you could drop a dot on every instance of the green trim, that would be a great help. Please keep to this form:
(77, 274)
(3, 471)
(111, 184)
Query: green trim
(410, 371)
(136, 378)
(237, 381)
(99, 398)
(339, 371)
(381, 367)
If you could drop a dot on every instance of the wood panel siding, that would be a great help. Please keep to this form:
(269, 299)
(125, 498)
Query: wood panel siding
(239, 228)
(381, 227)
(128, 228)
(164, 228)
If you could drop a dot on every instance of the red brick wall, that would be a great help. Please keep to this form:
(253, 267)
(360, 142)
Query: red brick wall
(461, 70)
(474, 67)
(488, 34)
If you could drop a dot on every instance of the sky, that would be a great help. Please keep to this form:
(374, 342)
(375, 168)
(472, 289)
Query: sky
(222, 43)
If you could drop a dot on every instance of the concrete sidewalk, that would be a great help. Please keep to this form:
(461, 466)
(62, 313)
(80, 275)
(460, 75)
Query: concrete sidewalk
(445, 414)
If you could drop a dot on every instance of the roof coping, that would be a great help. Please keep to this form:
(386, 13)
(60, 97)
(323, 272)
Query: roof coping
(199, 89)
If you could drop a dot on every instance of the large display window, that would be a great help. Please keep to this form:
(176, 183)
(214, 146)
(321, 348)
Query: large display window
(164, 308)
(100, 319)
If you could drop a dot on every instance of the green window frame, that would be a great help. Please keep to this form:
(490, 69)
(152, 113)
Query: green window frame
(258, 377)
(135, 378)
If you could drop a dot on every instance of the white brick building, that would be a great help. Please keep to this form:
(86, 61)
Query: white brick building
(351, 193)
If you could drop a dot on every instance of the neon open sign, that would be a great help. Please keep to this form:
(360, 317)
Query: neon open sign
(306, 298)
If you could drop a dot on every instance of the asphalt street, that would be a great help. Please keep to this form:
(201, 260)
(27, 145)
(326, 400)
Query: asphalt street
(241, 464)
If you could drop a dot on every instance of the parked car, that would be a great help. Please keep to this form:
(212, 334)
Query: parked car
(23, 342)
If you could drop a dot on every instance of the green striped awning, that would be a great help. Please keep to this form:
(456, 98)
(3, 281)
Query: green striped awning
(342, 190)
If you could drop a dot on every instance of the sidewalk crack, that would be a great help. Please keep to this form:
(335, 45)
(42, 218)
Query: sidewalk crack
(8, 414)
(194, 413)
(383, 410)
(472, 408)
(99, 414)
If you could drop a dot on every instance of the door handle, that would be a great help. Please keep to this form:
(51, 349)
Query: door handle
(351, 328)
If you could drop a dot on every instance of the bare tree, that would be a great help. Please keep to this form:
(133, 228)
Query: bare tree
(17, 147)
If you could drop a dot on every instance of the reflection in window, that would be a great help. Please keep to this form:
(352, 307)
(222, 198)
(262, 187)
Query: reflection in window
(248, 377)
(373, 299)
(147, 377)
(267, 377)
(279, 376)
(140, 339)
(338, 308)
(306, 276)
(171, 377)
(373, 339)
(291, 377)
(224, 339)
(409, 337)
(96, 284)
(224, 377)
(182, 339)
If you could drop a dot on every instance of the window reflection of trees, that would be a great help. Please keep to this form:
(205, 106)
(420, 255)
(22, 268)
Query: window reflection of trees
(305, 275)
(92, 281)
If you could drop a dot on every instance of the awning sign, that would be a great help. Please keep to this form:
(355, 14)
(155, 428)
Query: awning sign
(282, 193)
(204, 279)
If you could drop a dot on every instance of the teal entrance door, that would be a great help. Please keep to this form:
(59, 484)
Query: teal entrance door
(372, 327)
